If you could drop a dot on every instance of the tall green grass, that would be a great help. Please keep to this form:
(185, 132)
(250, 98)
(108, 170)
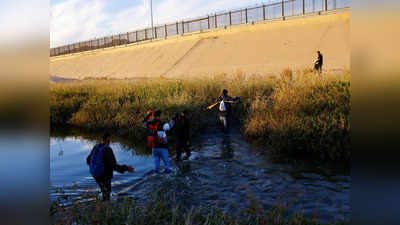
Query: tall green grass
(300, 114)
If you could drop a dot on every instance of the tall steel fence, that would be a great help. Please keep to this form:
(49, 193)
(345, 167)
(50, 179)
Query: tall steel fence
(278, 9)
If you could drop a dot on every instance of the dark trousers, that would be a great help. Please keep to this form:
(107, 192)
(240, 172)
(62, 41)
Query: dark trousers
(318, 68)
(182, 145)
(105, 186)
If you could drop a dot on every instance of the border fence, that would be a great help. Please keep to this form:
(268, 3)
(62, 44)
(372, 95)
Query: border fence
(276, 10)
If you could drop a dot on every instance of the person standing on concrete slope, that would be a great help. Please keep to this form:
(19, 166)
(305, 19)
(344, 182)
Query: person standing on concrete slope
(102, 163)
(319, 62)
(157, 139)
(182, 135)
(225, 109)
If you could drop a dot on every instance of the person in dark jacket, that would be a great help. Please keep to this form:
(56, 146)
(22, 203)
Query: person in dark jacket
(225, 109)
(157, 139)
(182, 135)
(110, 165)
(319, 62)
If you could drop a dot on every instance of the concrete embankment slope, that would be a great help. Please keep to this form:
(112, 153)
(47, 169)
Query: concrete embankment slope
(254, 49)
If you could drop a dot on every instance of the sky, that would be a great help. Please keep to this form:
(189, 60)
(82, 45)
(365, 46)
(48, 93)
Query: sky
(79, 20)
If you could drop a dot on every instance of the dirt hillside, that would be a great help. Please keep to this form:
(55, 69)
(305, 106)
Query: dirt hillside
(265, 48)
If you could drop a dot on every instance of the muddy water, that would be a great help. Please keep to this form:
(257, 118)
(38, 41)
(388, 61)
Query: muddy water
(224, 171)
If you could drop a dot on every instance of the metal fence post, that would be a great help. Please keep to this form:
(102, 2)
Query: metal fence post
(136, 36)
(155, 32)
(326, 5)
(145, 34)
(283, 9)
(165, 31)
(304, 7)
(230, 18)
(216, 24)
(177, 29)
(247, 19)
(183, 27)
(264, 17)
(208, 20)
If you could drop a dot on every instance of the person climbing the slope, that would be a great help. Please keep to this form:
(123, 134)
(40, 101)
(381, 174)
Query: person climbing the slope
(225, 109)
(157, 139)
(102, 164)
(319, 62)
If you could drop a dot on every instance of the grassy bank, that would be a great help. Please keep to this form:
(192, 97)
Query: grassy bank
(121, 105)
(308, 114)
(301, 113)
(163, 209)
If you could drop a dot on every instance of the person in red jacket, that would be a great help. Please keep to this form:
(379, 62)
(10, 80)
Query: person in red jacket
(108, 163)
(157, 139)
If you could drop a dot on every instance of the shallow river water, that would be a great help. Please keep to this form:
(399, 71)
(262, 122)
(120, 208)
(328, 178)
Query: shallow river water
(224, 171)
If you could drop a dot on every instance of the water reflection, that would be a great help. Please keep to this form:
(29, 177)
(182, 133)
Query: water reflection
(226, 147)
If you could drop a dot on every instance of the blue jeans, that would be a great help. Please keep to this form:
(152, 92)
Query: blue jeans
(161, 153)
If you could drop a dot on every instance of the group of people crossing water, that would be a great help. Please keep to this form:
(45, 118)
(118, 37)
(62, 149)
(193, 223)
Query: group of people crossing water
(102, 162)
(101, 159)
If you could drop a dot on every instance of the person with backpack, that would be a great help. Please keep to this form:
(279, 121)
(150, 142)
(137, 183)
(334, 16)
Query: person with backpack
(225, 109)
(102, 164)
(157, 139)
(319, 62)
(182, 135)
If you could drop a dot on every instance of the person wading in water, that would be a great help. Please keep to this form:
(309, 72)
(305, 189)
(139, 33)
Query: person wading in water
(182, 135)
(225, 109)
(102, 163)
(157, 139)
